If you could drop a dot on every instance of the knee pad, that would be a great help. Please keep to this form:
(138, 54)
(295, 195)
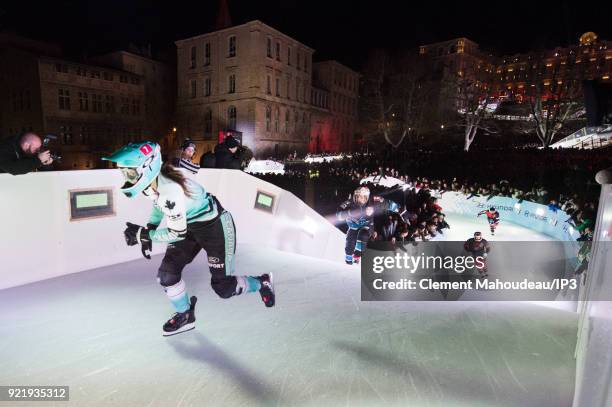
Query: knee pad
(167, 279)
(224, 287)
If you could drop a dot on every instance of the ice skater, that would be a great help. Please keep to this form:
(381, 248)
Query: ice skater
(358, 214)
(492, 218)
(479, 247)
(195, 220)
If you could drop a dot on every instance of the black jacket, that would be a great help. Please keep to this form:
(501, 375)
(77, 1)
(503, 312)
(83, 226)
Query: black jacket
(13, 160)
(225, 159)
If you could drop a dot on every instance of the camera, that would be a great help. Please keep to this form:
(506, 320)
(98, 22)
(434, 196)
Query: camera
(45, 146)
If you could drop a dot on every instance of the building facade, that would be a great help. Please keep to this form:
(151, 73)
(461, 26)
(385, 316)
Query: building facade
(250, 79)
(91, 109)
(335, 99)
(159, 85)
(509, 77)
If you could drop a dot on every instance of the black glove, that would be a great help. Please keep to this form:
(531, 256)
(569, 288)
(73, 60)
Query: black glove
(134, 233)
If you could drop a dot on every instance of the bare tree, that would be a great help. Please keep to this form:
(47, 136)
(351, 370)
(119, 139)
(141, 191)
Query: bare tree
(396, 91)
(472, 94)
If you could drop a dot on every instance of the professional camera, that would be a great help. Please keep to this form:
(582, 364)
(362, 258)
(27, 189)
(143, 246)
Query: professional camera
(45, 146)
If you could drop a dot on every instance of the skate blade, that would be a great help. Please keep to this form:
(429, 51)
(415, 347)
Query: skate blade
(184, 328)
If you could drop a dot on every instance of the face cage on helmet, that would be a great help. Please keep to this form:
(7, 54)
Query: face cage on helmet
(130, 174)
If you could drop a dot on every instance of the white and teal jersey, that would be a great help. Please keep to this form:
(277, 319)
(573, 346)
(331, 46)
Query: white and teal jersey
(179, 209)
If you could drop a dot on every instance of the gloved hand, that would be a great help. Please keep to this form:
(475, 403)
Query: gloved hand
(135, 234)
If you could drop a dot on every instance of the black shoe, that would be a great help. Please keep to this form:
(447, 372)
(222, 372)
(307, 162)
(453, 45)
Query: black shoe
(181, 321)
(267, 289)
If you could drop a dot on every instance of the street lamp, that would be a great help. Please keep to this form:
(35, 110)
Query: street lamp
(442, 127)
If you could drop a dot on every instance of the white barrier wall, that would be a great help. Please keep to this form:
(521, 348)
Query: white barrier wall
(38, 241)
(593, 356)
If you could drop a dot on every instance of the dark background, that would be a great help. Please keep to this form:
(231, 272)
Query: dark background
(343, 30)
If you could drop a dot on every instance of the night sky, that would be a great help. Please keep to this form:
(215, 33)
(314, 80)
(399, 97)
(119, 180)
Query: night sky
(343, 30)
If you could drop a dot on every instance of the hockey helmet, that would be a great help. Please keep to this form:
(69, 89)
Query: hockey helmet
(140, 164)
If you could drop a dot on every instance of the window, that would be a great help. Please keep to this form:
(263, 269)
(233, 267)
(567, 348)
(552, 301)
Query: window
(194, 89)
(232, 84)
(269, 48)
(268, 85)
(208, 122)
(288, 87)
(61, 68)
(278, 90)
(125, 105)
(96, 103)
(83, 101)
(123, 78)
(81, 71)
(289, 56)
(94, 74)
(109, 105)
(135, 107)
(231, 117)
(278, 51)
(268, 118)
(135, 80)
(305, 63)
(232, 46)
(297, 88)
(296, 119)
(304, 118)
(207, 53)
(64, 99)
(207, 86)
(108, 76)
(193, 57)
(305, 90)
(276, 119)
(298, 59)
(66, 134)
(287, 119)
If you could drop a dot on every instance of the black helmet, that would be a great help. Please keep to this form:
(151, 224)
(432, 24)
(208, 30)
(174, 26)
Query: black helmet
(476, 234)
(492, 209)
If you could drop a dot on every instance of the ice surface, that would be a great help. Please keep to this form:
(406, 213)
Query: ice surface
(99, 333)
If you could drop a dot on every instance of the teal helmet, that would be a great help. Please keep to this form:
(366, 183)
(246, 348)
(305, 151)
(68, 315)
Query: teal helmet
(139, 163)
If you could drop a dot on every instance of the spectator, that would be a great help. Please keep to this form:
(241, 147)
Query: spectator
(225, 154)
(188, 149)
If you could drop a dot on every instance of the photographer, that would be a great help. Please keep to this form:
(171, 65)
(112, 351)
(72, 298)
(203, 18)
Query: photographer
(23, 154)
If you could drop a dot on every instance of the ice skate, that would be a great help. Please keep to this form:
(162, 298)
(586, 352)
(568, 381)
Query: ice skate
(267, 289)
(181, 321)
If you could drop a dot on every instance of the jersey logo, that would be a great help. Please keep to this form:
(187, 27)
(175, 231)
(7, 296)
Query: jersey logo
(146, 149)
(170, 205)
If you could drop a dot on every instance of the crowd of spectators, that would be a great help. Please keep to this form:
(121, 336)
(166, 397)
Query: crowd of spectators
(561, 179)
